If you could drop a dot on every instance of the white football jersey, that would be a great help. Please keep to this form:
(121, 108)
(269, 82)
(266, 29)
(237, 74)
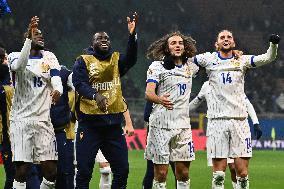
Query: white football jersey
(177, 83)
(226, 79)
(33, 87)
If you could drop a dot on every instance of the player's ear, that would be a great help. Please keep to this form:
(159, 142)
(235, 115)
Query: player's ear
(234, 45)
(216, 46)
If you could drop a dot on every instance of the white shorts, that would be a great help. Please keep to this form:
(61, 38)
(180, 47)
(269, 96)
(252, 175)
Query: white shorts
(100, 158)
(228, 138)
(33, 141)
(164, 145)
(210, 163)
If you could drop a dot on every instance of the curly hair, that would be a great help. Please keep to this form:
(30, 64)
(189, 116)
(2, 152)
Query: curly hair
(159, 49)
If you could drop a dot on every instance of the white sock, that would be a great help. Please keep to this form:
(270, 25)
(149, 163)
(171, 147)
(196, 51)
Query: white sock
(19, 185)
(218, 180)
(105, 180)
(159, 185)
(45, 184)
(242, 183)
(183, 185)
(234, 185)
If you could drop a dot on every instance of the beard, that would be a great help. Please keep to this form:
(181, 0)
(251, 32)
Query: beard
(36, 46)
(102, 51)
(169, 61)
(226, 50)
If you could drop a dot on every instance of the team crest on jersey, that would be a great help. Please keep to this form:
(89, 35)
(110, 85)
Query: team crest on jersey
(94, 69)
(236, 63)
(188, 71)
(44, 67)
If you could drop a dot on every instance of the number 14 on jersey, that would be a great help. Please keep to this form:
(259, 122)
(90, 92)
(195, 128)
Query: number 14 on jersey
(226, 77)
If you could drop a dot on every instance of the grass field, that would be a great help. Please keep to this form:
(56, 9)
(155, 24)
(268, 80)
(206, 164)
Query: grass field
(266, 172)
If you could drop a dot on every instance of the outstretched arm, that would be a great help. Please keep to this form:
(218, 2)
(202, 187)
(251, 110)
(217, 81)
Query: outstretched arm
(270, 55)
(19, 63)
(126, 61)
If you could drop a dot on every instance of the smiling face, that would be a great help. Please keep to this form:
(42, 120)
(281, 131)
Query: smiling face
(176, 46)
(37, 40)
(101, 42)
(225, 41)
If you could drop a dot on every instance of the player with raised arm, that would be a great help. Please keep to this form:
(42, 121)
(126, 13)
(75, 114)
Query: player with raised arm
(204, 95)
(37, 86)
(169, 80)
(228, 130)
(100, 106)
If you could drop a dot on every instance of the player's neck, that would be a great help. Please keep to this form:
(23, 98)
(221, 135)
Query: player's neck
(178, 61)
(34, 52)
(228, 54)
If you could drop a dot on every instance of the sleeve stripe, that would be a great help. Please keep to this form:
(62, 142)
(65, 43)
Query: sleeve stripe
(13, 60)
(54, 72)
(251, 61)
(152, 80)
(195, 61)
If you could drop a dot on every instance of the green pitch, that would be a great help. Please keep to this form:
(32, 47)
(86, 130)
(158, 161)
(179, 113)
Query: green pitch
(266, 171)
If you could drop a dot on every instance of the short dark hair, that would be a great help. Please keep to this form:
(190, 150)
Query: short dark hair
(2, 54)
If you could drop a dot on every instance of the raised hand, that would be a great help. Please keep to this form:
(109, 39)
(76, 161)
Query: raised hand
(32, 26)
(132, 22)
(166, 102)
(101, 102)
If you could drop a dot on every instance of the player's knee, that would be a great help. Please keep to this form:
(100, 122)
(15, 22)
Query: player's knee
(51, 176)
(243, 174)
(182, 175)
(21, 172)
(161, 175)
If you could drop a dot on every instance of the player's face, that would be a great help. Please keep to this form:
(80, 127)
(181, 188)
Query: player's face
(176, 46)
(101, 42)
(5, 60)
(38, 41)
(225, 41)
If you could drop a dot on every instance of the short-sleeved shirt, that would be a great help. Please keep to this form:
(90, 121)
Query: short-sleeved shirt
(176, 82)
